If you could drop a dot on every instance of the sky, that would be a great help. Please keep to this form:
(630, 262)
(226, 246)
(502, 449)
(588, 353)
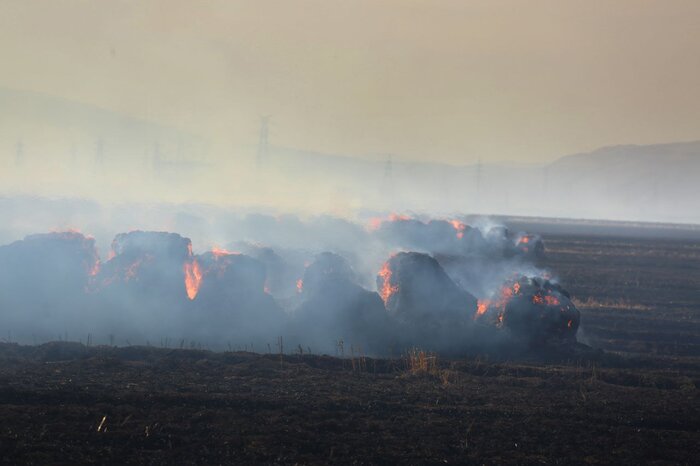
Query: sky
(447, 81)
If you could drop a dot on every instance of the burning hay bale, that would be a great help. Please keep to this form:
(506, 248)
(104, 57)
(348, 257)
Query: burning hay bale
(230, 299)
(43, 280)
(63, 261)
(454, 237)
(530, 246)
(283, 270)
(141, 290)
(147, 262)
(436, 236)
(417, 292)
(335, 307)
(159, 243)
(153, 286)
(535, 311)
(229, 275)
(404, 232)
(328, 269)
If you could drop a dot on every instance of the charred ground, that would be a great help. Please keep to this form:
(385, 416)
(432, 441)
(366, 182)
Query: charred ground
(635, 401)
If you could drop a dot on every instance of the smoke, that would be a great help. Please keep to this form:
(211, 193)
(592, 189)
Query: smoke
(369, 284)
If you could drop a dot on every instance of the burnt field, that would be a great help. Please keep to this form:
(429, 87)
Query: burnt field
(632, 400)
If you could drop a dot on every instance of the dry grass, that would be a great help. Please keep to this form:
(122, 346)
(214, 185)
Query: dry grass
(421, 362)
(424, 363)
(620, 303)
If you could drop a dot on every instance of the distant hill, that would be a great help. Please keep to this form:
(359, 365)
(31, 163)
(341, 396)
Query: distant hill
(48, 127)
(651, 182)
(65, 144)
(631, 182)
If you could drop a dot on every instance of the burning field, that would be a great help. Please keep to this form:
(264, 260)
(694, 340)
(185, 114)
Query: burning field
(392, 284)
(499, 377)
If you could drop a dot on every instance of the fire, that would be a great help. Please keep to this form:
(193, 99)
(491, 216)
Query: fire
(387, 288)
(193, 278)
(507, 293)
(547, 300)
(132, 270)
(527, 297)
(300, 285)
(525, 239)
(481, 307)
(460, 227)
(374, 223)
(398, 217)
(70, 233)
(551, 300)
(95, 269)
(219, 252)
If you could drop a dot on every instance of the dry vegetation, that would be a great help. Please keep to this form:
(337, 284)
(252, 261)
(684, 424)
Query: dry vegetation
(624, 304)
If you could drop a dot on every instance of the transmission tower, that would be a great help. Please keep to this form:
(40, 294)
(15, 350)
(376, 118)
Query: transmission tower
(263, 144)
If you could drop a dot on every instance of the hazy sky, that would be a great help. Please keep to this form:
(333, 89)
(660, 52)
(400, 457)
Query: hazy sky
(449, 81)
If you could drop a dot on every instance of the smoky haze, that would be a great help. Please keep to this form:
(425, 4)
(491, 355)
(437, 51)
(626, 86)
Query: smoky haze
(318, 283)
(474, 104)
(233, 171)
(55, 148)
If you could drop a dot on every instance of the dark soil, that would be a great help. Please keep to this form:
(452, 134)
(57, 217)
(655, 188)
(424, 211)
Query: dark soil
(635, 402)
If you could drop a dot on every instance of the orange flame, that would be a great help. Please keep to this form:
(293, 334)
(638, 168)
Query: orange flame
(398, 217)
(300, 285)
(460, 227)
(219, 252)
(481, 307)
(70, 233)
(95, 269)
(387, 288)
(374, 223)
(193, 278)
(499, 305)
(132, 270)
(551, 300)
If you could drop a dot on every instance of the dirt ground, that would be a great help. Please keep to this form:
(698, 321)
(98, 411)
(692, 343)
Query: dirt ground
(633, 400)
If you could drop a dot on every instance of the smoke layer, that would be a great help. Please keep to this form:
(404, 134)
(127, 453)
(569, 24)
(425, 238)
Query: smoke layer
(322, 284)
